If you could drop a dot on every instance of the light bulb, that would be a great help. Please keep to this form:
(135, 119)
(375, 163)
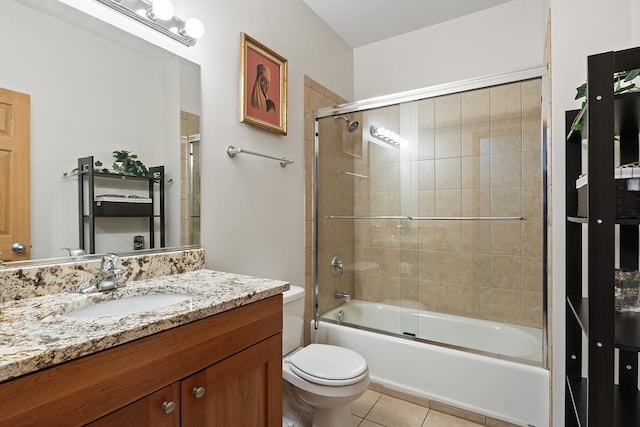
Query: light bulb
(194, 28)
(380, 131)
(162, 9)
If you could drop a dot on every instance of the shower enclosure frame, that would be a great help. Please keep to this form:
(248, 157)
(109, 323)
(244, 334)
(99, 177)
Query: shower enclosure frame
(541, 72)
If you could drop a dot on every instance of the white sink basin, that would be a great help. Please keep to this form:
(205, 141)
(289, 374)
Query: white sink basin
(128, 305)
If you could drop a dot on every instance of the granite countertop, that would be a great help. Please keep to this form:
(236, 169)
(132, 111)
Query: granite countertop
(36, 334)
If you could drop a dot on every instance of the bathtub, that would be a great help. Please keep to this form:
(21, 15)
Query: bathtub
(487, 379)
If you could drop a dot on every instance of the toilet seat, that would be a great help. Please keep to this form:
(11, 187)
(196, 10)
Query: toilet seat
(328, 365)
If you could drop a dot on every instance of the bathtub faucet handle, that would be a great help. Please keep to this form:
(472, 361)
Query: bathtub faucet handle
(337, 266)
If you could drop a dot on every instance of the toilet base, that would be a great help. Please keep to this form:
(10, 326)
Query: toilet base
(294, 412)
(338, 416)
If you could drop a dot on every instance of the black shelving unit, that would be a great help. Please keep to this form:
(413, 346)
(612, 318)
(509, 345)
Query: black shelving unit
(87, 213)
(596, 401)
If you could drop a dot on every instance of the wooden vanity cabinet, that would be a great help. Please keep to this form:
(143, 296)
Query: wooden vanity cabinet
(160, 409)
(239, 391)
(224, 370)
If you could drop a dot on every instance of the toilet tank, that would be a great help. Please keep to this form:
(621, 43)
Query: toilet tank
(293, 319)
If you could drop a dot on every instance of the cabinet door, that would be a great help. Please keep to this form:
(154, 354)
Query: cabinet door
(160, 409)
(242, 390)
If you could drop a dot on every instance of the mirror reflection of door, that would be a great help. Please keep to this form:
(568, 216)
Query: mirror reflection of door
(190, 185)
(15, 240)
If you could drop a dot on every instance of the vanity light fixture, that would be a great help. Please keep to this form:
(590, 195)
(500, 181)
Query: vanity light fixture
(386, 135)
(159, 15)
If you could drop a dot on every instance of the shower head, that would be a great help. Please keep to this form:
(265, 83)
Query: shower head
(351, 124)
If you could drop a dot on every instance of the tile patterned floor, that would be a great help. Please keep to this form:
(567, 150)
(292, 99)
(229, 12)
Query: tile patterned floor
(375, 409)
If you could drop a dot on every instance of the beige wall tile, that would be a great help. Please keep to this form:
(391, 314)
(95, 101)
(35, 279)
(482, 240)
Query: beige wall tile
(378, 154)
(532, 238)
(427, 265)
(409, 235)
(506, 238)
(532, 309)
(506, 201)
(448, 236)
(475, 139)
(393, 176)
(531, 97)
(506, 136)
(378, 177)
(426, 202)
(449, 298)
(475, 269)
(476, 202)
(506, 306)
(505, 272)
(426, 114)
(506, 170)
(505, 101)
(448, 110)
(426, 144)
(532, 203)
(531, 133)
(409, 262)
(448, 173)
(448, 202)
(475, 302)
(475, 106)
(427, 236)
(426, 174)
(532, 168)
(447, 142)
(476, 236)
(532, 274)
(448, 267)
(427, 294)
(476, 171)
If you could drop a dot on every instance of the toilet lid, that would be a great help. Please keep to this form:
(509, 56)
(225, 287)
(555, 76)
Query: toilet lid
(328, 365)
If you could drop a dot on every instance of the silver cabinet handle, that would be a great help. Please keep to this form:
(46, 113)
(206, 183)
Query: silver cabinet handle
(168, 407)
(198, 392)
(18, 247)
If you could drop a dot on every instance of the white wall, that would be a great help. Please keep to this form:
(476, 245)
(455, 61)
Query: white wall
(579, 28)
(497, 40)
(252, 209)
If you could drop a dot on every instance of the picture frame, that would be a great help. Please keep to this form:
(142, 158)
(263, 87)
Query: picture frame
(263, 86)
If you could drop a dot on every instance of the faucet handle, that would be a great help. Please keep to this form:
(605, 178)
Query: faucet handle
(110, 261)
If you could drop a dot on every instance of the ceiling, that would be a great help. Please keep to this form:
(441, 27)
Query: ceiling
(360, 22)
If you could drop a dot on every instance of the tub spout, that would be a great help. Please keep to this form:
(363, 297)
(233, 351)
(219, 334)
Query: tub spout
(343, 296)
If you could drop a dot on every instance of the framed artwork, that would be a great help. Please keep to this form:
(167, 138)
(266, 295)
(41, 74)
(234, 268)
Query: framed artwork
(263, 86)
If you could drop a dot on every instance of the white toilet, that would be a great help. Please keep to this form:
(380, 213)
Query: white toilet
(325, 377)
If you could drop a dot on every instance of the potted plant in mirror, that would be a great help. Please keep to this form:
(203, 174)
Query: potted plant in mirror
(126, 163)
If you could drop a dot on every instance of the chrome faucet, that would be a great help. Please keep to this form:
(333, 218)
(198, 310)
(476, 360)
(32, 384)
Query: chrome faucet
(108, 276)
(342, 296)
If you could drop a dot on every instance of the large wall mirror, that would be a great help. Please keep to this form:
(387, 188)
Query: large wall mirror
(95, 89)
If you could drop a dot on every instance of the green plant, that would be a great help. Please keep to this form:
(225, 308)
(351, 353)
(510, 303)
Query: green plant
(126, 164)
(618, 80)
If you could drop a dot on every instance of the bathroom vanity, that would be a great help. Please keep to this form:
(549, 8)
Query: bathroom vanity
(212, 361)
